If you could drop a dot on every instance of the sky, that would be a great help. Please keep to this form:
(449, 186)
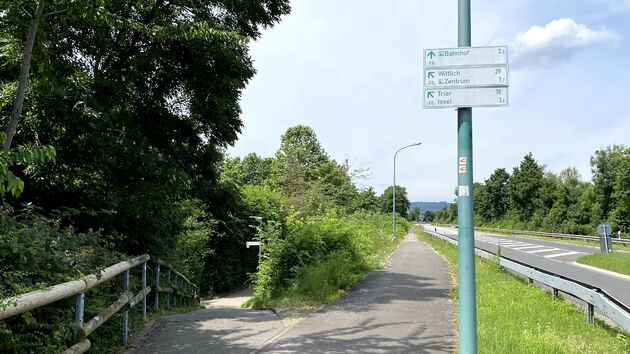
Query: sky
(352, 71)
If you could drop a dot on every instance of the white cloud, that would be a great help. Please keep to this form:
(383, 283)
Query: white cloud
(558, 40)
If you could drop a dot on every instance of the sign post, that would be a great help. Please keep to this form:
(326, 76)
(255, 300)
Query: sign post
(465, 229)
(462, 78)
(465, 222)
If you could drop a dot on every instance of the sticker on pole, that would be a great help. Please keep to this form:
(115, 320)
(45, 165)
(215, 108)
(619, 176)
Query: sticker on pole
(462, 164)
(463, 191)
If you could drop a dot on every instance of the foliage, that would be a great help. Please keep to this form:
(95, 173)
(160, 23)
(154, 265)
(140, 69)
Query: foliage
(367, 200)
(402, 202)
(524, 188)
(35, 252)
(316, 259)
(138, 98)
(414, 214)
(535, 199)
(514, 317)
(25, 156)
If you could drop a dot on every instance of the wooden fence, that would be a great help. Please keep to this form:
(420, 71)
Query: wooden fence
(179, 291)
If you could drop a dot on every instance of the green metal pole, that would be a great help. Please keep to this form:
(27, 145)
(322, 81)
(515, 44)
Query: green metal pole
(394, 199)
(465, 222)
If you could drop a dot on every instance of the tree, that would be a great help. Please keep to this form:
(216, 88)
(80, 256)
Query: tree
(414, 214)
(300, 151)
(524, 188)
(140, 98)
(251, 170)
(620, 214)
(605, 168)
(367, 200)
(16, 113)
(498, 194)
(402, 202)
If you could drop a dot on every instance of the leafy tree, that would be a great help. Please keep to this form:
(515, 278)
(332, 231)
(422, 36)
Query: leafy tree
(402, 202)
(620, 214)
(336, 184)
(605, 167)
(300, 156)
(367, 200)
(414, 214)
(524, 188)
(429, 216)
(251, 170)
(139, 98)
(498, 194)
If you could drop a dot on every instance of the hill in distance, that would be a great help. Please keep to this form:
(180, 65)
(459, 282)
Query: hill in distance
(428, 206)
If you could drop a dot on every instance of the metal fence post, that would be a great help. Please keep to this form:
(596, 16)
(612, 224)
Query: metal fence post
(168, 302)
(144, 285)
(555, 294)
(157, 284)
(125, 314)
(79, 305)
(590, 313)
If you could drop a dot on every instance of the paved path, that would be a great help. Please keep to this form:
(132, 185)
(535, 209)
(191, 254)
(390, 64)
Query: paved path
(223, 327)
(402, 309)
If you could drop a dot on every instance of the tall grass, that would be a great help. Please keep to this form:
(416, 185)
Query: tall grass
(313, 261)
(514, 317)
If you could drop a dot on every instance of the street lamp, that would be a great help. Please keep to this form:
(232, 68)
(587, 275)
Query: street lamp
(394, 192)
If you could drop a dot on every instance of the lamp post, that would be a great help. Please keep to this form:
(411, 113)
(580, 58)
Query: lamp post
(394, 191)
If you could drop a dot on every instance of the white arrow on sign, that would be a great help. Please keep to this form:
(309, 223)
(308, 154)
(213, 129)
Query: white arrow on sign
(465, 56)
(466, 97)
(496, 75)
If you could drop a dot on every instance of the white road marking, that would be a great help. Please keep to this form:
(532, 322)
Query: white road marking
(545, 250)
(527, 247)
(561, 254)
(513, 244)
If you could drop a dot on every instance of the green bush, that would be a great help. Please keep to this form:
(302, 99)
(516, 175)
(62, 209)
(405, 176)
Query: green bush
(35, 252)
(316, 259)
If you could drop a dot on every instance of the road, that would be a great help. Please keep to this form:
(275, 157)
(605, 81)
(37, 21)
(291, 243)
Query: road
(404, 308)
(555, 257)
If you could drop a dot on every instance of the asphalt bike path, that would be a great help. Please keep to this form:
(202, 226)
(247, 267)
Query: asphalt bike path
(404, 308)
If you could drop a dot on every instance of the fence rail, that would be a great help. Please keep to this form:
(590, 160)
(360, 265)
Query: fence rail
(594, 297)
(551, 234)
(178, 289)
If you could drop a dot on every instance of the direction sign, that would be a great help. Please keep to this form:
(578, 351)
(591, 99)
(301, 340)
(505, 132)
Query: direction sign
(465, 56)
(252, 243)
(466, 97)
(496, 75)
(603, 229)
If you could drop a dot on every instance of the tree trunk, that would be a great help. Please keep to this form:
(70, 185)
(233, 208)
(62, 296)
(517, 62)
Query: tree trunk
(26, 65)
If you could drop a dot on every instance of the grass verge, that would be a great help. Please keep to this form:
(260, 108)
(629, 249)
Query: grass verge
(616, 262)
(514, 317)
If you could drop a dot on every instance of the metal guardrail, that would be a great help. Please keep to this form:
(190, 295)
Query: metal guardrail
(620, 241)
(591, 295)
(179, 290)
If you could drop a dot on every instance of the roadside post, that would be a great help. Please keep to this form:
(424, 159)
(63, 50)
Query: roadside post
(605, 240)
(462, 78)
